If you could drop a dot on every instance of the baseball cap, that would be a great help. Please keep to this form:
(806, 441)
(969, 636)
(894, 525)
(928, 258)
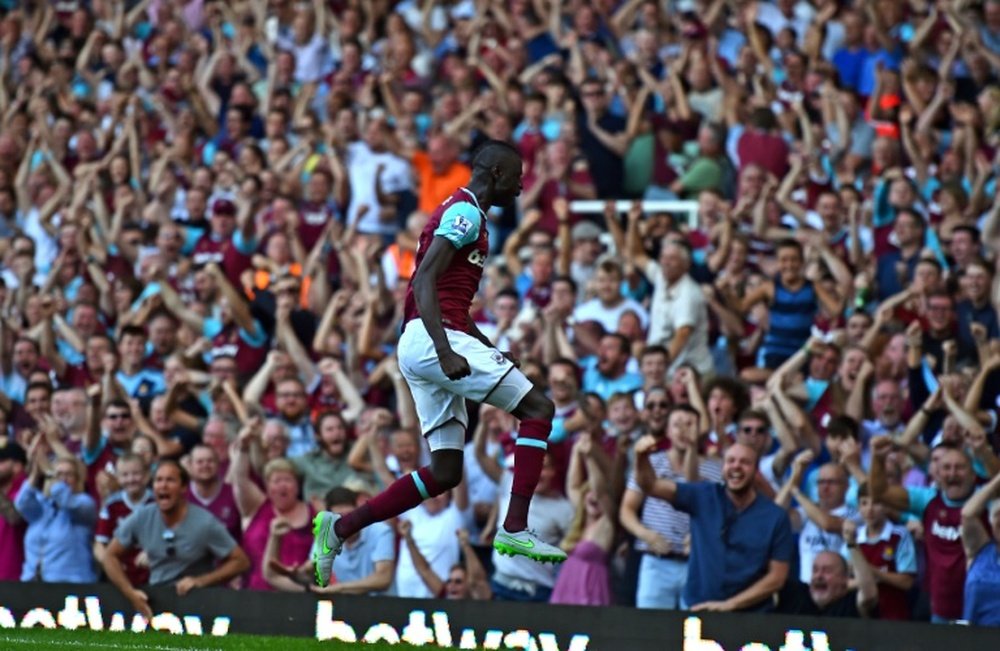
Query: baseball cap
(586, 231)
(11, 451)
(223, 207)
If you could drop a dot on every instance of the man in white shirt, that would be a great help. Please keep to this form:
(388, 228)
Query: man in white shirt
(377, 177)
(678, 312)
(608, 305)
(822, 523)
(434, 524)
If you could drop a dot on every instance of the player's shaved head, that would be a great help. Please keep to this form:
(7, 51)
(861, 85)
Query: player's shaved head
(496, 173)
(495, 152)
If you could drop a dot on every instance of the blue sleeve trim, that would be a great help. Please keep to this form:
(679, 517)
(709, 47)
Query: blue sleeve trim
(191, 237)
(246, 247)
(90, 456)
(211, 327)
(257, 339)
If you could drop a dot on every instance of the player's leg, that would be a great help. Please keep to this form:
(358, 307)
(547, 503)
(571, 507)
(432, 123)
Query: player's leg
(330, 530)
(515, 394)
(443, 416)
(535, 411)
(443, 473)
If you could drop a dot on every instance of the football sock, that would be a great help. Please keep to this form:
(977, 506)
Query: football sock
(401, 496)
(529, 455)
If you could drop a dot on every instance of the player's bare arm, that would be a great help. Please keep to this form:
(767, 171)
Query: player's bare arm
(434, 264)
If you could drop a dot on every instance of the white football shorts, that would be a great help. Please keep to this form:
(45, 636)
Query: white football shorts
(440, 401)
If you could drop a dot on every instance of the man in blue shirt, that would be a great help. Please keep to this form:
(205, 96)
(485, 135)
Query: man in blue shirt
(607, 373)
(137, 380)
(741, 542)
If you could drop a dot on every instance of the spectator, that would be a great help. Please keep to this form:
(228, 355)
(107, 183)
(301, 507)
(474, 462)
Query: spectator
(293, 413)
(12, 526)
(976, 308)
(483, 452)
(135, 378)
(889, 550)
(819, 524)
(982, 601)
(366, 566)
(132, 474)
(432, 530)
(608, 373)
(584, 579)
(106, 440)
(754, 568)
(711, 170)
(208, 490)
(368, 562)
(607, 307)
(653, 363)
(466, 581)
(939, 508)
(603, 139)
(56, 509)
(183, 543)
(662, 532)
(794, 302)
(829, 593)
(326, 467)
(678, 315)
(438, 172)
(258, 508)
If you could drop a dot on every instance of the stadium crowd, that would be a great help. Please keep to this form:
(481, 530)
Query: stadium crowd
(786, 400)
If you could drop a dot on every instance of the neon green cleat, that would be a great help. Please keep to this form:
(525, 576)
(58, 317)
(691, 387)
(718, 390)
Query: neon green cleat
(527, 543)
(326, 546)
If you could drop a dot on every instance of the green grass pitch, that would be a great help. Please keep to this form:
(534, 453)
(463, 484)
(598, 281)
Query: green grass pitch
(19, 639)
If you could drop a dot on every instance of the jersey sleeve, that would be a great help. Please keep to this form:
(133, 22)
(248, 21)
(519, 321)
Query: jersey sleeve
(460, 224)
(920, 497)
(906, 554)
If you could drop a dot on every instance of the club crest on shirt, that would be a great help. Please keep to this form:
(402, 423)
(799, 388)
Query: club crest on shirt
(888, 553)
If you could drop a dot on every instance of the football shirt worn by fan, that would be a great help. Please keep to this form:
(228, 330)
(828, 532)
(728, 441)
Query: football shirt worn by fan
(446, 360)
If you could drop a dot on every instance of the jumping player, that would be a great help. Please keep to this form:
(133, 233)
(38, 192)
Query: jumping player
(445, 360)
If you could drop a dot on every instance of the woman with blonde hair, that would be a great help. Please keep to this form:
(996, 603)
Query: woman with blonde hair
(584, 579)
(61, 518)
(273, 516)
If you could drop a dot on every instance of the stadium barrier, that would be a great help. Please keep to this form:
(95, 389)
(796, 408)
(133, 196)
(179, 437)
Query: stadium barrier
(467, 624)
(684, 207)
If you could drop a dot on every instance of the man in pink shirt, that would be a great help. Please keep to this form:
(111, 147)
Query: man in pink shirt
(12, 461)
(762, 144)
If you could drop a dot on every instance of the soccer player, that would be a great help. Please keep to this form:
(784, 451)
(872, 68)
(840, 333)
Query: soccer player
(445, 360)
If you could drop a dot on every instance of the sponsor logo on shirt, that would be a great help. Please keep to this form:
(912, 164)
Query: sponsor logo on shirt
(207, 257)
(950, 534)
